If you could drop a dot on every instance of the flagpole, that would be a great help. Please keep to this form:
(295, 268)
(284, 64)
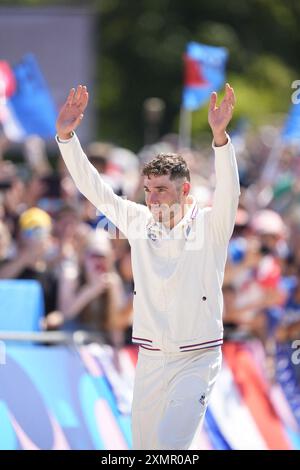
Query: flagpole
(185, 128)
(270, 168)
(267, 177)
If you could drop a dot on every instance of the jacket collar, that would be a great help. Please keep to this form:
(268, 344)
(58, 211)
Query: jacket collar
(157, 229)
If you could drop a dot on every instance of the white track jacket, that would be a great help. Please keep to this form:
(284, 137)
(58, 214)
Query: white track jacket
(178, 274)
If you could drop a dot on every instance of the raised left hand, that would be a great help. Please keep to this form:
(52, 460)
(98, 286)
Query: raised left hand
(220, 116)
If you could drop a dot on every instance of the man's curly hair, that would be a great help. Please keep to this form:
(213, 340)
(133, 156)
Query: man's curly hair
(171, 164)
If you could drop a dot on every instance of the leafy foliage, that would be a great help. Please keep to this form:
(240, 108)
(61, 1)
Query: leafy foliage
(140, 44)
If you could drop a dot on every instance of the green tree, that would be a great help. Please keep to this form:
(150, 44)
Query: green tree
(140, 44)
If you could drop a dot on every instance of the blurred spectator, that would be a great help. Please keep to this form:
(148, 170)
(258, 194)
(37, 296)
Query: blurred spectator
(36, 155)
(69, 236)
(92, 298)
(44, 192)
(12, 192)
(289, 327)
(5, 242)
(252, 289)
(31, 258)
(100, 156)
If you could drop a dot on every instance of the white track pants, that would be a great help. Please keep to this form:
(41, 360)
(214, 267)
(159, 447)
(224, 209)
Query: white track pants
(170, 397)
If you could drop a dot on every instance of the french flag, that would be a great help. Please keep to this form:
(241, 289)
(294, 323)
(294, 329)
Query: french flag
(26, 105)
(204, 73)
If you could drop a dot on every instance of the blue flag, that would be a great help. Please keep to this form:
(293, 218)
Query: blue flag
(291, 129)
(204, 73)
(30, 109)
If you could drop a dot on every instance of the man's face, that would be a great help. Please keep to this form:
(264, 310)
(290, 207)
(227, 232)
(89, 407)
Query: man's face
(164, 197)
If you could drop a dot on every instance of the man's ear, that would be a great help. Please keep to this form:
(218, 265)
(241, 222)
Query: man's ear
(186, 188)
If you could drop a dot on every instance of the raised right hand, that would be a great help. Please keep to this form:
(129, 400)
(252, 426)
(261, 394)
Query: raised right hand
(71, 113)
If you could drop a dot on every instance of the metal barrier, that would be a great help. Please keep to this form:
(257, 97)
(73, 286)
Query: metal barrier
(52, 337)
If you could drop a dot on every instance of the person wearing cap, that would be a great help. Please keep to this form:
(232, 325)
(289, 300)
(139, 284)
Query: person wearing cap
(34, 223)
(178, 254)
(31, 260)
